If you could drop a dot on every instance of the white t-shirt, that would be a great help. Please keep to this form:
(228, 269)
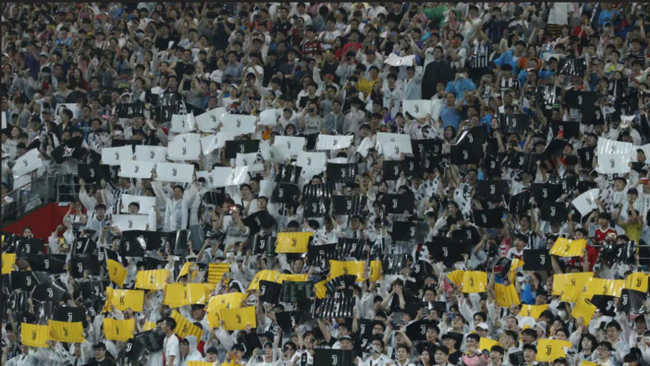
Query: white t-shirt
(170, 349)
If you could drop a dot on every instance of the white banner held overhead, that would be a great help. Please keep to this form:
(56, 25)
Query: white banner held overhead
(146, 203)
(185, 147)
(269, 117)
(586, 202)
(27, 163)
(174, 172)
(116, 155)
(249, 160)
(239, 124)
(210, 120)
(136, 169)
(266, 188)
(393, 144)
(418, 108)
(333, 142)
(614, 156)
(130, 222)
(290, 144)
(150, 153)
(312, 163)
(183, 123)
(226, 176)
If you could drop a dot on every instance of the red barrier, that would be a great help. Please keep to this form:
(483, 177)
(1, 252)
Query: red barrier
(42, 221)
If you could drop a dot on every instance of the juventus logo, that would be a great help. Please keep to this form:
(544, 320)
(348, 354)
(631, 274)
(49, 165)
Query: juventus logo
(130, 224)
(638, 282)
(612, 163)
(238, 318)
(65, 332)
(542, 259)
(493, 189)
(184, 152)
(152, 155)
(465, 155)
(544, 193)
(395, 203)
(50, 293)
(552, 211)
(412, 231)
(396, 171)
(28, 281)
(484, 218)
(624, 299)
(549, 349)
(69, 316)
(470, 138)
(521, 161)
(334, 360)
(122, 299)
(308, 161)
(294, 243)
(213, 118)
(117, 156)
(348, 204)
(136, 169)
(417, 108)
(33, 334)
(238, 124)
(289, 145)
(25, 163)
(174, 172)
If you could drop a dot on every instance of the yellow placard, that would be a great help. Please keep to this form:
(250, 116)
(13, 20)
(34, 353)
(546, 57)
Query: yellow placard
(376, 270)
(486, 344)
(474, 282)
(154, 279)
(564, 247)
(637, 281)
(199, 363)
(506, 296)
(116, 272)
(534, 311)
(186, 269)
(320, 290)
(184, 327)
(238, 319)
(584, 309)
(291, 277)
(455, 277)
(587, 363)
(34, 335)
(570, 285)
(126, 299)
(216, 272)
(290, 242)
(70, 332)
(8, 262)
(148, 326)
(232, 300)
(180, 294)
(263, 275)
(549, 350)
(603, 286)
(119, 330)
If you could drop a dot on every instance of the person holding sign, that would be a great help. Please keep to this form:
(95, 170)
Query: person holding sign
(177, 204)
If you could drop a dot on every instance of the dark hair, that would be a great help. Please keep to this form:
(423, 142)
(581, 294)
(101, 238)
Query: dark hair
(171, 322)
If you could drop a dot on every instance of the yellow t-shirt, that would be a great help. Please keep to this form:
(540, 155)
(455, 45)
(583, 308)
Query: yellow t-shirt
(365, 86)
(633, 231)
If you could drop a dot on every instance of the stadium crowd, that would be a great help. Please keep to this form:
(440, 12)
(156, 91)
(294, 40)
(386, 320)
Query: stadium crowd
(469, 187)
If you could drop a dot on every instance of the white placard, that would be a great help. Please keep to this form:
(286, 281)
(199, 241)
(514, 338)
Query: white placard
(185, 147)
(418, 108)
(136, 169)
(116, 155)
(250, 160)
(218, 141)
(586, 202)
(150, 153)
(209, 180)
(210, 120)
(395, 60)
(146, 203)
(239, 124)
(27, 163)
(4, 119)
(130, 222)
(226, 176)
(174, 172)
(269, 117)
(366, 144)
(392, 144)
(614, 156)
(183, 123)
(291, 144)
(266, 188)
(333, 142)
(75, 108)
(312, 163)
(607, 146)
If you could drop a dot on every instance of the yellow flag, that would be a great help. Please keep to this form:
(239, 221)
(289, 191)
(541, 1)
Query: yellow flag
(126, 299)
(486, 344)
(564, 247)
(154, 279)
(603, 286)
(587, 363)
(116, 272)
(584, 309)
(514, 265)
(289, 242)
(291, 277)
(635, 281)
(570, 285)
(184, 327)
(340, 268)
(474, 282)
(34, 335)
(8, 261)
(455, 277)
(199, 363)
(70, 332)
(232, 300)
(533, 311)
(238, 319)
(216, 272)
(186, 269)
(549, 350)
(119, 330)
(506, 295)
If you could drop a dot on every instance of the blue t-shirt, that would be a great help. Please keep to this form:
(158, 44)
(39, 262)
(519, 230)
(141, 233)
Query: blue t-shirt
(450, 117)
